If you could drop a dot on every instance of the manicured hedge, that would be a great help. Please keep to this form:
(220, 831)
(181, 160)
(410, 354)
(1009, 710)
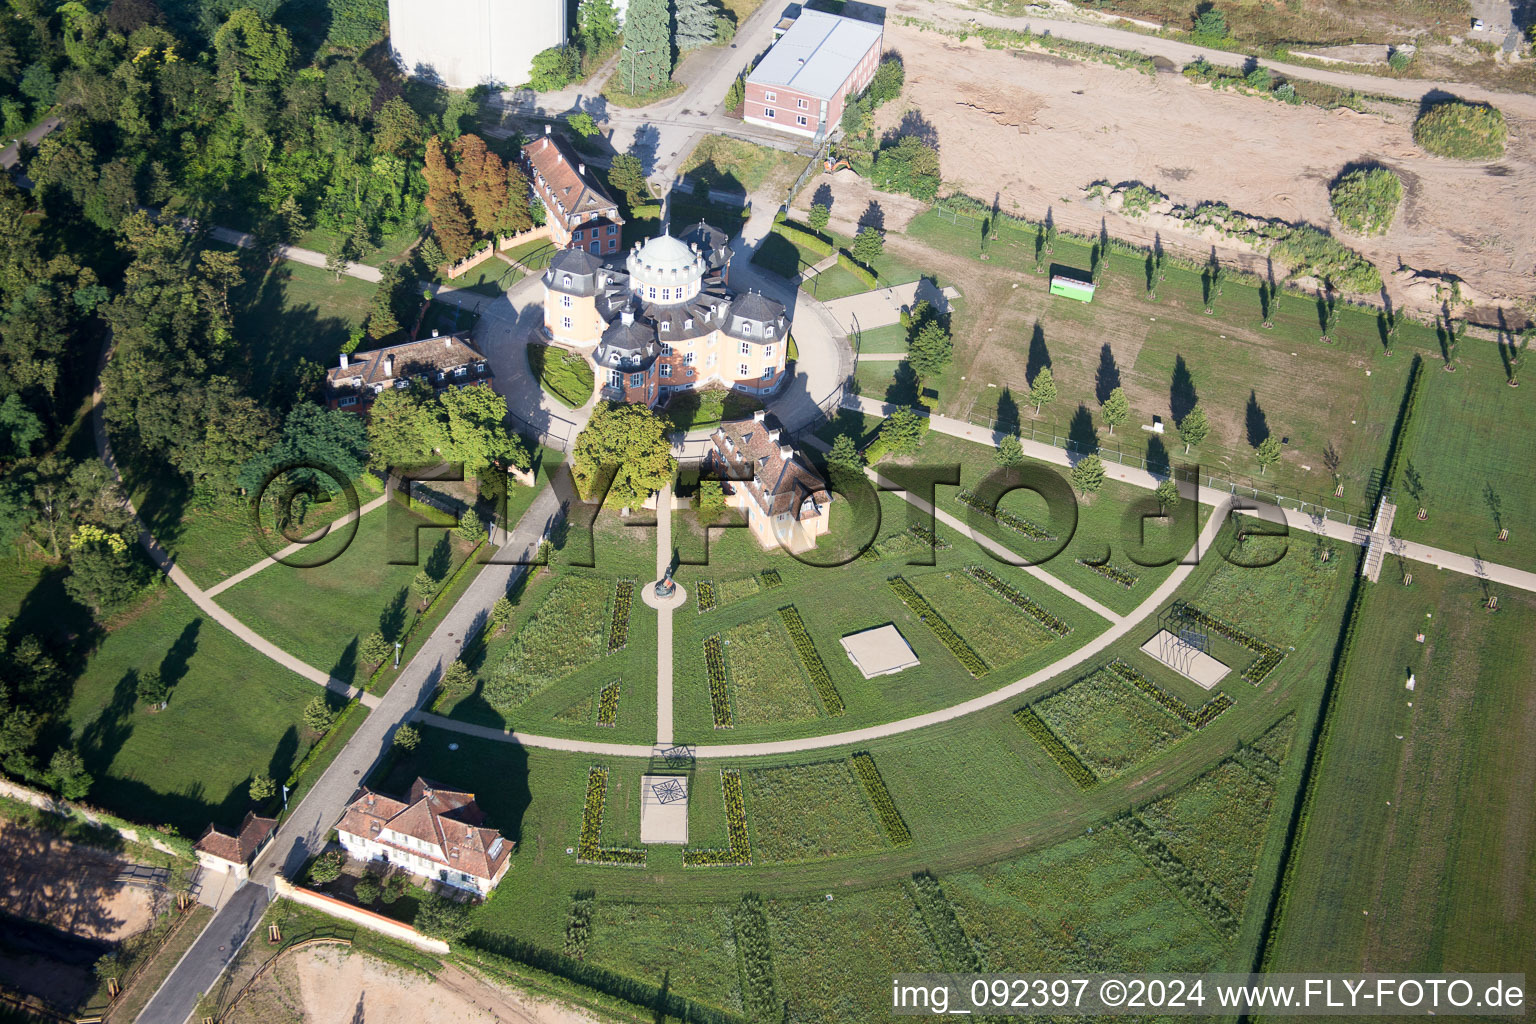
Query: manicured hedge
(1052, 745)
(738, 852)
(814, 666)
(1269, 656)
(1198, 718)
(719, 697)
(941, 629)
(1019, 600)
(856, 268)
(792, 232)
(880, 797)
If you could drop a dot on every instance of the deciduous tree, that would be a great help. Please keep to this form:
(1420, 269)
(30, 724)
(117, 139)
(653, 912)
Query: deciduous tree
(1194, 428)
(1116, 409)
(1042, 390)
(631, 442)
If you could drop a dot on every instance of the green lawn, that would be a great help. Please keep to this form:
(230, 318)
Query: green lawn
(1108, 724)
(535, 254)
(1419, 853)
(1466, 461)
(292, 311)
(808, 812)
(1319, 398)
(563, 374)
(322, 613)
(890, 338)
(491, 278)
(729, 164)
(767, 681)
(392, 246)
(701, 410)
(233, 714)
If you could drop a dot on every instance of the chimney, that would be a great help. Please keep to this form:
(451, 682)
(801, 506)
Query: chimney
(581, 169)
(773, 435)
(548, 129)
(786, 452)
(389, 366)
(757, 416)
(448, 342)
(434, 332)
(343, 360)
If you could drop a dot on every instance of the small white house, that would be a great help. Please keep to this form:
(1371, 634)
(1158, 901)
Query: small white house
(437, 834)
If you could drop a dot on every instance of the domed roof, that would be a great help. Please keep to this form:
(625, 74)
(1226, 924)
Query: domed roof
(666, 253)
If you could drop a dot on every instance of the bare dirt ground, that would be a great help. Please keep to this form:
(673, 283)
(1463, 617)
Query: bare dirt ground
(69, 887)
(330, 984)
(1034, 129)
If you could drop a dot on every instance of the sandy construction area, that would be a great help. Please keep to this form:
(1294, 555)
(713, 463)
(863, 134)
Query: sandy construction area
(73, 888)
(1034, 129)
(332, 984)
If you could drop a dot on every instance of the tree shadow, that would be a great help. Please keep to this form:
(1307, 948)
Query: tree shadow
(280, 765)
(1082, 433)
(392, 618)
(644, 148)
(913, 123)
(1108, 377)
(872, 217)
(1158, 462)
(904, 388)
(823, 196)
(1494, 502)
(173, 667)
(1039, 355)
(1255, 422)
(1181, 391)
(1007, 412)
(1322, 304)
(345, 668)
(441, 558)
(103, 739)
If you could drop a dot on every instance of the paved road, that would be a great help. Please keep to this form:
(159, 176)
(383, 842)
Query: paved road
(244, 240)
(10, 154)
(303, 832)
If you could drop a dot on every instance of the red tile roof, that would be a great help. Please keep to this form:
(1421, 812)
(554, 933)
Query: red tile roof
(558, 176)
(448, 819)
(775, 475)
(242, 846)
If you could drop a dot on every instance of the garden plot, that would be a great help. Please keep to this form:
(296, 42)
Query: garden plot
(996, 630)
(809, 812)
(1274, 587)
(768, 683)
(568, 632)
(1107, 724)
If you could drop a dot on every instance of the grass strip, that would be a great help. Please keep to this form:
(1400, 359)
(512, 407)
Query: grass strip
(941, 629)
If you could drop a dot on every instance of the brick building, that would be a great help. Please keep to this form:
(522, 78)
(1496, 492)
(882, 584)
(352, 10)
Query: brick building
(667, 323)
(441, 362)
(801, 84)
(579, 213)
(786, 502)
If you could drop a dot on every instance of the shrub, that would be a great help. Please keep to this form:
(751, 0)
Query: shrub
(618, 630)
(706, 597)
(367, 889)
(1197, 718)
(588, 848)
(911, 166)
(1041, 733)
(327, 867)
(407, 738)
(1399, 60)
(805, 647)
(318, 716)
(1461, 130)
(941, 629)
(1365, 201)
(901, 432)
(262, 788)
(554, 68)
(442, 918)
(1014, 597)
(719, 698)
(1003, 517)
(880, 798)
(608, 705)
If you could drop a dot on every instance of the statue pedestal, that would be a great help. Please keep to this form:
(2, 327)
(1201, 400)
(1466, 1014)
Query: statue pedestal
(652, 600)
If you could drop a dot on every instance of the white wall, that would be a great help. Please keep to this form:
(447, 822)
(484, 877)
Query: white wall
(357, 915)
(464, 43)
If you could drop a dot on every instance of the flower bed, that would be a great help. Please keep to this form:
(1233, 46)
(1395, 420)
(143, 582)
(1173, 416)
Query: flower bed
(739, 850)
(1016, 598)
(588, 848)
(1110, 571)
(771, 578)
(1197, 718)
(929, 538)
(1059, 751)
(814, 666)
(1269, 656)
(608, 705)
(1003, 517)
(880, 797)
(618, 630)
(941, 629)
(719, 698)
(707, 600)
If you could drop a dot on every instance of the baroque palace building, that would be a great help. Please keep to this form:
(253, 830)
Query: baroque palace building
(668, 322)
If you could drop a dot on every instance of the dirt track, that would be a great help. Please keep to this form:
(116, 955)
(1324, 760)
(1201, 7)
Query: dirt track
(329, 984)
(1036, 128)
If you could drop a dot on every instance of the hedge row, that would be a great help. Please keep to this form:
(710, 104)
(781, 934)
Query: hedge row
(588, 848)
(1197, 718)
(1003, 517)
(618, 630)
(1018, 599)
(857, 269)
(944, 925)
(608, 705)
(880, 797)
(795, 234)
(1189, 882)
(759, 991)
(941, 629)
(1269, 656)
(1110, 571)
(738, 850)
(814, 666)
(719, 697)
(1052, 745)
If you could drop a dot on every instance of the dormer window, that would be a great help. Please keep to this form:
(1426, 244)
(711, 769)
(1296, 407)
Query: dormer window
(688, 324)
(565, 281)
(768, 331)
(746, 328)
(664, 326)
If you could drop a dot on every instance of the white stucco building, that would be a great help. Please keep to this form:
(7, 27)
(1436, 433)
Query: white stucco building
(437, 833)
(465, 43)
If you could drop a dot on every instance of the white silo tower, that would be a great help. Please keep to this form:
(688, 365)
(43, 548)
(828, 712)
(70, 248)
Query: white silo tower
(464, 43)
